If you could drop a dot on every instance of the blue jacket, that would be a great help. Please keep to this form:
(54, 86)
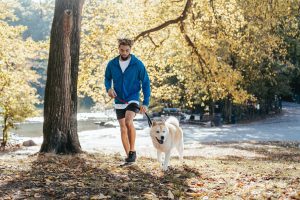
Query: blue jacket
(127, 85)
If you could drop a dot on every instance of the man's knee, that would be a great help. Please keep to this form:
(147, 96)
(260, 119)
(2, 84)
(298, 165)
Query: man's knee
(123, 127)
(128, 123)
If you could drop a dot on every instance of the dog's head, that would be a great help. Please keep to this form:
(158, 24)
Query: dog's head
(159, 131)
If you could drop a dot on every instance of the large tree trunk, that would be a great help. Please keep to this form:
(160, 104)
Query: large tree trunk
(60, 105)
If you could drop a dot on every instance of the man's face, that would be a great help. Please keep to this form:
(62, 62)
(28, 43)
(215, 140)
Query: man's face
(124, 51)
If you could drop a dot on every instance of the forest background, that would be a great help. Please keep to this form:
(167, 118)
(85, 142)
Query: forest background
(241, 57)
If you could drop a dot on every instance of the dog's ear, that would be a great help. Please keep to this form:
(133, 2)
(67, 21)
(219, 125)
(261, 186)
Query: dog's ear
(154, 123)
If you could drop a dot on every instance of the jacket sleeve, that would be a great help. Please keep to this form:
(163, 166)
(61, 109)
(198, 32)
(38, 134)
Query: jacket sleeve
(108, 78)
(145, 85)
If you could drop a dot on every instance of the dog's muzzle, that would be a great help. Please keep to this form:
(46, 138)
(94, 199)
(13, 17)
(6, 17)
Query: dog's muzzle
(161, 141)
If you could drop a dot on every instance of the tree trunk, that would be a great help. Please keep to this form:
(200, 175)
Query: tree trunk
(228, 110)
(60, 105)
(5, 132)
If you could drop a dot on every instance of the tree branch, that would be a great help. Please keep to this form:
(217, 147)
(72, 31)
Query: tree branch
(211, 2)
(161, 42)
(180, 20)
(191, 44)
(150, 38)
(217, 18)
(167, 23)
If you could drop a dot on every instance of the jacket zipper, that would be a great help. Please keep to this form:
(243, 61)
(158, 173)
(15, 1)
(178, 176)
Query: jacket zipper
(123, 75)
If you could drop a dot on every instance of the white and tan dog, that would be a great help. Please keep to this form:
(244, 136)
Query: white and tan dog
(165, 136)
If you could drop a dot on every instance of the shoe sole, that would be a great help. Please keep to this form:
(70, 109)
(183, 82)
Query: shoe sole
(127, 164)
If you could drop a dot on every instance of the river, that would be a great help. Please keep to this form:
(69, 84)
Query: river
(35, 129)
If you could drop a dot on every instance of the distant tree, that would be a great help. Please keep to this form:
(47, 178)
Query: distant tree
(18, 100)
(293, 42)
(17, 97)
(60, 106)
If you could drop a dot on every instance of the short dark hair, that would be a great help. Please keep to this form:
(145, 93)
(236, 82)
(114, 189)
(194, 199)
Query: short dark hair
(125, 41)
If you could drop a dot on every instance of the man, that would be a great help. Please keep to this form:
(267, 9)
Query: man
(125, 75)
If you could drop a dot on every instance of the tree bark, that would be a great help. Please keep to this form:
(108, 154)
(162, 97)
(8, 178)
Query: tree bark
(5, 134)
(60, 105)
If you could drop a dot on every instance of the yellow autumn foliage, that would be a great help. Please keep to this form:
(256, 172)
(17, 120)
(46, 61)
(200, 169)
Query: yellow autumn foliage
(195, 51)
(17, 96)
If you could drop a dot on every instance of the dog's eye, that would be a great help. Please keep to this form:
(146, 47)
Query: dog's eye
(157, 131)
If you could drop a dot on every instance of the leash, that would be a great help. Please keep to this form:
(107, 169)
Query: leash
(148, 118)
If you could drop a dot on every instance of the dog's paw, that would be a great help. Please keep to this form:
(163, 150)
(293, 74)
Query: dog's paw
(165, 168)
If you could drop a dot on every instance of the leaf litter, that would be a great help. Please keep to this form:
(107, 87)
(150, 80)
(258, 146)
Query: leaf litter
(99, 176)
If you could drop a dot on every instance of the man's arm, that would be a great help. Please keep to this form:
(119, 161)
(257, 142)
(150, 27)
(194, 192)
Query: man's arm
(145, 86)
(107, 82)
(107, 78)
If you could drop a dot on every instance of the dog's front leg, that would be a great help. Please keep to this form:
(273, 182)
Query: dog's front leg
(159, 156)
(179, 148)
(166, 161)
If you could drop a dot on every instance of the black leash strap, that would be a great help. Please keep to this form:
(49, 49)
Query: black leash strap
(149, 120)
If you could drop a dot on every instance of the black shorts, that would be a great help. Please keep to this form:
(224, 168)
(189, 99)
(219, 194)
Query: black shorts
(132, 107)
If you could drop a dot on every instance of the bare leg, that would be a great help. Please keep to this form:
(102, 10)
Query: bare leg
(124, 135)
(129, 115)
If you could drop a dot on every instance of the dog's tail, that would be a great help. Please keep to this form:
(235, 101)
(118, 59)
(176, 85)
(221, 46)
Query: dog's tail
(173, 120)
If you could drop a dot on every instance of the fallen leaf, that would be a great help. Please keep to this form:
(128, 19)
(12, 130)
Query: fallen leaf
(37, 195)
(150, 195)
(200, 184)
(194, 194)
(170, 194)
(100, 196)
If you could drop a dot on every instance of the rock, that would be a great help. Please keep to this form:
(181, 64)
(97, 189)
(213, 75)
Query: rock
(29, 143)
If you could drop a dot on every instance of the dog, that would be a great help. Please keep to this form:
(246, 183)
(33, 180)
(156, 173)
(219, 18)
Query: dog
(165, 136)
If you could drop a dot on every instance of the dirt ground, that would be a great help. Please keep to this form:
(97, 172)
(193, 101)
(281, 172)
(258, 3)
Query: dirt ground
(248, 170)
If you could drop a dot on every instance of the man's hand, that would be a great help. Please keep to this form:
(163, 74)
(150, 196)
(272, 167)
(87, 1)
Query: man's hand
(143, 109)
(111, 92)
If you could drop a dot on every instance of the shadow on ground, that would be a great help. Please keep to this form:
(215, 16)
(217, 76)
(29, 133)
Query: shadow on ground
(85, 176)
(99, 176)
(266, 150)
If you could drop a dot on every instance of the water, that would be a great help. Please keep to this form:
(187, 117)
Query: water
(36, 129)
